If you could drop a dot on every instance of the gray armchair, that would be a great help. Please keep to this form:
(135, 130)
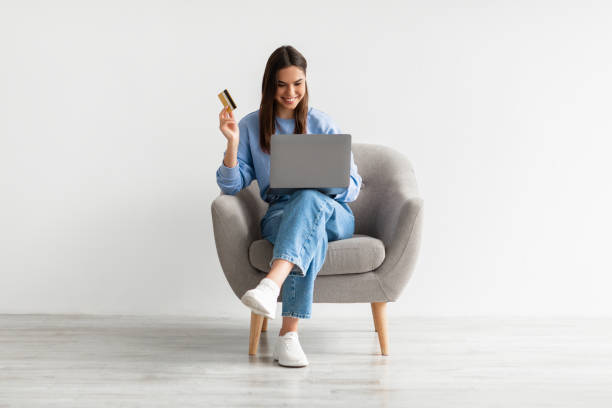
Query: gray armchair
(372, 267)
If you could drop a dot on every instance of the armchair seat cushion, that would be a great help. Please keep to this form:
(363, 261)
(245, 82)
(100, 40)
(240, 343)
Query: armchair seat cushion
(358, 254)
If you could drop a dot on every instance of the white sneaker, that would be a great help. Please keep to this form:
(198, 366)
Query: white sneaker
(262, 299)
(288, 351)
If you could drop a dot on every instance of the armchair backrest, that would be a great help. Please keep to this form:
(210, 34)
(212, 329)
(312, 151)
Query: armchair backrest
(386, 174)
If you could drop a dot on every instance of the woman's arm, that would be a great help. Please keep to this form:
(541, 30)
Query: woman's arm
(352, 191)
(231, 154)
(236, 172)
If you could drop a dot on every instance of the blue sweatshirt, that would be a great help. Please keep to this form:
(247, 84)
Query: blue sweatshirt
(254, 163)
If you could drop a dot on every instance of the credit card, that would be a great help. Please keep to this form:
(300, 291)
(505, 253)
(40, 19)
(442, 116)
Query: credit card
(227, 100)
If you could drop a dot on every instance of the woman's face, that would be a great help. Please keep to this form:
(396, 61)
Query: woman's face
(290, 89)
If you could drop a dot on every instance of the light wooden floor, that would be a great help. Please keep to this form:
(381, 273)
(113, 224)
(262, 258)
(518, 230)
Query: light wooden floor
(89, 361)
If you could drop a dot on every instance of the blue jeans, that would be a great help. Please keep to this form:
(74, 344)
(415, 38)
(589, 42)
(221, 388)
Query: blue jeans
(299, 226)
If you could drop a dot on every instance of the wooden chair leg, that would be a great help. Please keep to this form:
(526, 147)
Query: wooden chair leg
(374, 316)
(256, 325)
(379, 311)
(264, 327)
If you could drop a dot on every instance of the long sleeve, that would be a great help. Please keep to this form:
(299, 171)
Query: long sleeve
(233, 179)
(351, 193)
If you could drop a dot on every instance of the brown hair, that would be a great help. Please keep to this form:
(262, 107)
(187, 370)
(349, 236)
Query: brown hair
(282, 57)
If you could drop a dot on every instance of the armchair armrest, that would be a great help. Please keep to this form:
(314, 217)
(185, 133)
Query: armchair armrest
(404, 241)
(236, 226)
(398, 223)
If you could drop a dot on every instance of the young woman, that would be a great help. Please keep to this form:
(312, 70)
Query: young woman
(299, 225)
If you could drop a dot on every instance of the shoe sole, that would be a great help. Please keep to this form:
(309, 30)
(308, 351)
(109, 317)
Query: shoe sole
(288, 365)
(293, 364)
(254, 306)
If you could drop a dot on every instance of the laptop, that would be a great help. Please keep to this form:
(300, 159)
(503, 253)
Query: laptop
(309, 161)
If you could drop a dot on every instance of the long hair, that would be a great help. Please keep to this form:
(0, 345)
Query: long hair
(282, 57)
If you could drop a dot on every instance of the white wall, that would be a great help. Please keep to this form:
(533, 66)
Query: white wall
(109, 144)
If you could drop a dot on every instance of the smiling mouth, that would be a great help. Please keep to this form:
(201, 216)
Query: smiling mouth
(289, 100)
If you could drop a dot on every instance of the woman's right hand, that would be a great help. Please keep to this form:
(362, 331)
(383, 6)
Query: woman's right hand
(228, 125)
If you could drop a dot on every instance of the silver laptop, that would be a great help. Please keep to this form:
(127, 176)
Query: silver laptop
(321, 162)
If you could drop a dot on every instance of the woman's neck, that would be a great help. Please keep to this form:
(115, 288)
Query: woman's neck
(284, 113)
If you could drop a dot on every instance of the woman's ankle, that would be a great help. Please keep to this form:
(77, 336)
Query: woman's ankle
(289, 324)
(279, 271)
